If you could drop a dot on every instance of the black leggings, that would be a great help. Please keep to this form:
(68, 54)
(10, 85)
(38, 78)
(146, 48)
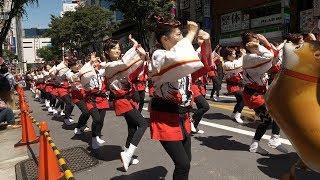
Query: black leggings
(42, 94)
(137, 125)
(85, 115)
(203, 107)
(240, 103)
(216, 86)
(97, 121)
(266, 121)
(142, 95)
(53, 100)
(60, 104)
(180, 153)
(69, 105)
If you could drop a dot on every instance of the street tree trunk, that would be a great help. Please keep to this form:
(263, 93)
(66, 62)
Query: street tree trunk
(7, 24)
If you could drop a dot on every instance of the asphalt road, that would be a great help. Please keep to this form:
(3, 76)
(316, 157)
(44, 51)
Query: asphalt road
(220, 153)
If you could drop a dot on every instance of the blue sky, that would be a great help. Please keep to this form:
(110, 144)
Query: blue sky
(39, 16)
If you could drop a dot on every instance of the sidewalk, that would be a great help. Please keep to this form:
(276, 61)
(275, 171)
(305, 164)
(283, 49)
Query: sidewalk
(9, 155)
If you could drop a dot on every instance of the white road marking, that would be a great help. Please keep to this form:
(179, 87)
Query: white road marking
(240, 131)
(226, 97)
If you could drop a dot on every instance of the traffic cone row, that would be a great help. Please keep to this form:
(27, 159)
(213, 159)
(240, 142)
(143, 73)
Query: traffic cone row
(48, 167)
(28, 134)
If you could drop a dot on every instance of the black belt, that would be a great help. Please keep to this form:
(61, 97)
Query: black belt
(163, 105)
(252, 91)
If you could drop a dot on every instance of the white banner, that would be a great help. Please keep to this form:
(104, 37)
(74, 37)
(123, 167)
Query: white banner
(231, 22)
(267, 20)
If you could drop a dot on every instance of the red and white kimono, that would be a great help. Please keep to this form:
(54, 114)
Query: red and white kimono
(275, 69)
(61, 79)
(198, 86)
(233, 74)
(39, 79)
(48, 83)
(76, 89)
(140, 82)
(120, 75)
(150, 83)
(199, 79)
(95, 87)
(170, 71)
(52, 73)
(255, 78)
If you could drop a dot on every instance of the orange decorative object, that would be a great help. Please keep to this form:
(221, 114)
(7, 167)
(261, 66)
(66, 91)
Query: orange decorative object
(48, 168)
(28, 134)
(293, 100)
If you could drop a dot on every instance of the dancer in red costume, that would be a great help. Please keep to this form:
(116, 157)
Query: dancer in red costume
(171, 69)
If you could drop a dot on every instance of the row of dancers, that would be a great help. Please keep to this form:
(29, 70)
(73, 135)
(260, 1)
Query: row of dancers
(176, 75)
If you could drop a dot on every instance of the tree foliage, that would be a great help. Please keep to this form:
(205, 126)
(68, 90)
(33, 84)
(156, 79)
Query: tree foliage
(82, 30)
(138, 11)
(8, 55)
(15, 8)
(46, 53)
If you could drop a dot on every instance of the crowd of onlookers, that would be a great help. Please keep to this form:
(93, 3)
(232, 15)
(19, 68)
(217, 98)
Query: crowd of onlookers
(8, 107)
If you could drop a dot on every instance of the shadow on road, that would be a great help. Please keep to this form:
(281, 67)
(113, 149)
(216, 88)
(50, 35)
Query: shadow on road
(275, 166)
(222, 143)
(156, 173)
(70, 127)
(217, 116)
(85, 137)
(254, 125)
(107, 153)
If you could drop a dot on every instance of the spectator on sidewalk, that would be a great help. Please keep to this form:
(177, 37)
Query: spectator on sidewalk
(6, 115)
(7, 85)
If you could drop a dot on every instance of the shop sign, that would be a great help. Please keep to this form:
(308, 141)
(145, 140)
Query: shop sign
(266, 21)
(231, 22)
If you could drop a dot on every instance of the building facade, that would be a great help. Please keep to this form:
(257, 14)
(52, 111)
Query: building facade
(195, 10)
(268, 17)
(34, 32)
(69, 6)
(30, 47)
(118, 16)
(226, 19)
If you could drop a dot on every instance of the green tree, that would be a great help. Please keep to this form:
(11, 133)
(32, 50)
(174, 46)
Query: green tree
(8, 55)
(16, 9)
(138, 11)
(46, 53)
(82, 30)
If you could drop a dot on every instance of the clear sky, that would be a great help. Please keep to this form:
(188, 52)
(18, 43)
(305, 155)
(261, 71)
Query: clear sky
(39, 16)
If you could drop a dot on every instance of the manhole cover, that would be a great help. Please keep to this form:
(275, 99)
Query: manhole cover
(77, 158)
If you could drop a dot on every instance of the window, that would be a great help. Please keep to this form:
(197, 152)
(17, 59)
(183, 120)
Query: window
(263, 11)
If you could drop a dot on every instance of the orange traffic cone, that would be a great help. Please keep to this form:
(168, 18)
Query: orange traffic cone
(48, 168)
(28, 134)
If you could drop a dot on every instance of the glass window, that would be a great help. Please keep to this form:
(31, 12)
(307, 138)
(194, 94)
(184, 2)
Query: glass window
(263, 11)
